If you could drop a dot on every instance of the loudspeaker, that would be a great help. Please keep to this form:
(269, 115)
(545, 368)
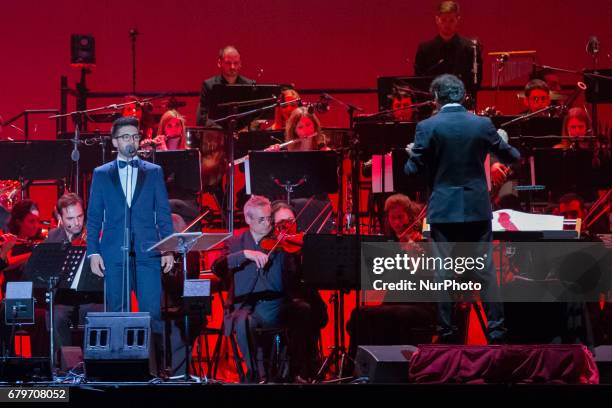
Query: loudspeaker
(82, 49)
(19, 303)
(603, 359)
(118, 346)
(383, 364)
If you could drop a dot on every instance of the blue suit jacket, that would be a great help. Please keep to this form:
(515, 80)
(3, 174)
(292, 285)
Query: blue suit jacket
(150, 212)
(452, 146)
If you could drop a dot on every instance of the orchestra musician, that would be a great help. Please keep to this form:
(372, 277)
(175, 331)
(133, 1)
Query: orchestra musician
(402, 222)
(170, 132)
(229, 65)
(71, 229)
(257, 279)
(24, 225)
(171, 136)
(537, 96)
(448, 52)
(282, 113)
(575, 125)
(400, 102)
(452, 145)
(306, 312)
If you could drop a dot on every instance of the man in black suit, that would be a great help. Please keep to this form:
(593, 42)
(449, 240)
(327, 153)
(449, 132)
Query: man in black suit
(229, 64)
(448, 52)
(452, 145)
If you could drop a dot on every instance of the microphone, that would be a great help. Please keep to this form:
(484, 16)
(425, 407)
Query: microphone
(130, 150)
(592, 47)
(75, 155)
(322, 105)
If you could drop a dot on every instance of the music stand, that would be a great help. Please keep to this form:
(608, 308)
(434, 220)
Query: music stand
(256, 140)
(182, 243)
(46, 268)
(181, 168)
(261, 95)
(298, 174)
(34, 160)
(563, 171)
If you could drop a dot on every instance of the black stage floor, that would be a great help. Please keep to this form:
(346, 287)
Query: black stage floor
(281, 395)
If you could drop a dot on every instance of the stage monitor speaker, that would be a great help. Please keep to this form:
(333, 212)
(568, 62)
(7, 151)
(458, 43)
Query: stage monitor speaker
(603, 359)
(19, 303)
(383, 364)
(82, 49)
(118, 346)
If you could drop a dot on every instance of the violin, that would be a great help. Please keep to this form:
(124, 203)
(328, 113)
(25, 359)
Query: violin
(286, 238)
(289, 243)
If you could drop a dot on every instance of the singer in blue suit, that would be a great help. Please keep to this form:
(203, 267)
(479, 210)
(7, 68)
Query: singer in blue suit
(129, 193)
(451, 147)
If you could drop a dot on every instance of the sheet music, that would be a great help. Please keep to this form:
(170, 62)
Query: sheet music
(511, 220)
(77, 277)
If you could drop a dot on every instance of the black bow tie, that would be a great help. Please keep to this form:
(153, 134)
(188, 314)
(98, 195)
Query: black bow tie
(123, 164)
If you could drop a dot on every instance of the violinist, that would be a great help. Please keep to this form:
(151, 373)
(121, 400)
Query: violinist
(71, 229)
(402, 221)
(24, 224)
(257, 293)
(306, 310)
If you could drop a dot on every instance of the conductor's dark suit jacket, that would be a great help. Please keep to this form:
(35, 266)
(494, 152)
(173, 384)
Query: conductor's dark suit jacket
(452, 145)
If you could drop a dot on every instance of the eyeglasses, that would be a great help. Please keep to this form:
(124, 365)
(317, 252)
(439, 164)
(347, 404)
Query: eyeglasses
(261, 220)
(127, 138)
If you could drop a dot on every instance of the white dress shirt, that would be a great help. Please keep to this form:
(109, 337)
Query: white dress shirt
(128, 182)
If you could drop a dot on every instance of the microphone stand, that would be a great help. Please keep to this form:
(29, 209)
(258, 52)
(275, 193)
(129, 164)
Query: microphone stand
(231, 137)
(76, 156)
(127, 238)
(376, 115)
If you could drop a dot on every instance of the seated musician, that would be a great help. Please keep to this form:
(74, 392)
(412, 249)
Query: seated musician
(572, 206)
(400, 102)
(304, 125)
(282, 113)
(24, 224)
(71, 229)
(575, 125)
(257, 279)
(306, 314)
(170, 133)
(394, 321)
(171, 136)
(304, 128)
(537, 96)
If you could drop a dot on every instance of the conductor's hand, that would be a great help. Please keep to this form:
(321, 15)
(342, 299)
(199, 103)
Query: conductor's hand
(167, 261)
(259, 258)
(499, 174)
(97, 265)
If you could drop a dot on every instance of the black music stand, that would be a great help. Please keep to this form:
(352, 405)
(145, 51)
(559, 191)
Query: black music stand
(45, 269)
(332, 262)
(256, 140)
(259, 95)
(571, 170)
(298, 174)
(34, 160)
(183, 243)
(181, 168)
